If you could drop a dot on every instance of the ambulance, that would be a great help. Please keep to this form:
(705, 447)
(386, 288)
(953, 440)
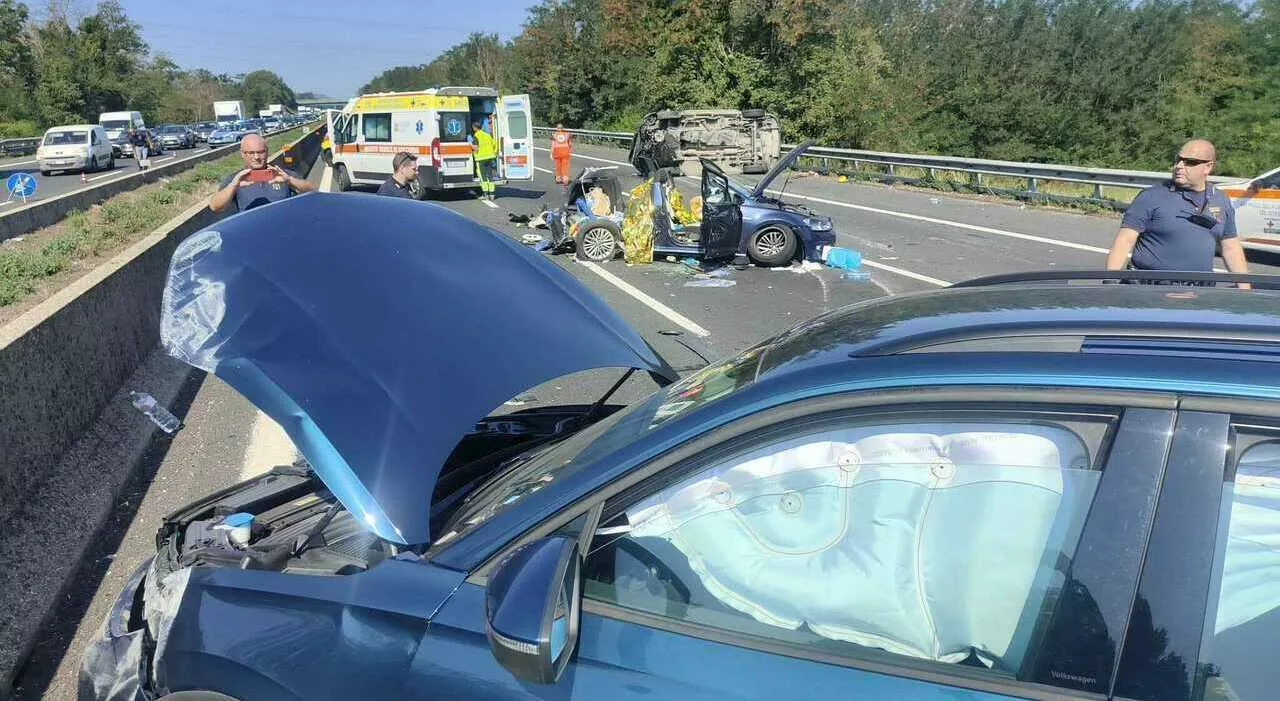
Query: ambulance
(433, 124)
(1257, 205)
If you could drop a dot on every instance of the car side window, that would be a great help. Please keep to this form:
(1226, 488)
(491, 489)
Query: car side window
(377, 127)
(1237, 657)
(936, 537)
(717, 190)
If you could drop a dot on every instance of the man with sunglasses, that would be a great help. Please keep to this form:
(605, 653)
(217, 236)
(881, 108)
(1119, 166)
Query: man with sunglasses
(1179, 224)
(258, 183)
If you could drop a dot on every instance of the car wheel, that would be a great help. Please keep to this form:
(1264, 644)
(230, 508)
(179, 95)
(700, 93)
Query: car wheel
(772, 246)
(599, 241)
(753, 114)
(93, 164)
(111, 162)
(342, 178)
(46, 173)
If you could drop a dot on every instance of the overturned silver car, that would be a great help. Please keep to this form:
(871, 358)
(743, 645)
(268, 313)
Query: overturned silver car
(746, 141)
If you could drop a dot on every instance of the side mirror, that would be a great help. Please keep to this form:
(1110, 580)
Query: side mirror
(532, 609)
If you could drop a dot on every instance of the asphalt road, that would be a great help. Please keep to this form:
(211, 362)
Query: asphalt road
(910, 240)
(63, 182)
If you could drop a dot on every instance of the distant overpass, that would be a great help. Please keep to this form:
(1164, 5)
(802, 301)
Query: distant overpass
(324, 103)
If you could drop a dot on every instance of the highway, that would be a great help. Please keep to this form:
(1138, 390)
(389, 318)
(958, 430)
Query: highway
(911, 241)
(63, 182)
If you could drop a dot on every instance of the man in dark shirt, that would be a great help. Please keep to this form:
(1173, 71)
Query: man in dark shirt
(258, 183)
(404, 171)
(1179, 224)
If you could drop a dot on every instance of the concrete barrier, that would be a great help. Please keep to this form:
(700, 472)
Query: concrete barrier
(60, 363)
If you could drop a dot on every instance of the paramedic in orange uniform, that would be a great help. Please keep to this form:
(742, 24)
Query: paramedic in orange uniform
(560, 153)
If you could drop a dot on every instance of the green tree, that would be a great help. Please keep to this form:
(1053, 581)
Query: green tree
(262, 88)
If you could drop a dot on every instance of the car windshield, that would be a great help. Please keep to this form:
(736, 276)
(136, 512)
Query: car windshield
(115, 124)
(64, 138)
(206, 125)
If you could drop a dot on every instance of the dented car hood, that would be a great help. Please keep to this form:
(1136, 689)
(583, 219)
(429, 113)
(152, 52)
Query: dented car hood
(377, 331)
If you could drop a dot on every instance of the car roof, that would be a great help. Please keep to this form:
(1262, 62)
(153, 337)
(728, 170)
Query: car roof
(73, 127)
(1030, 317)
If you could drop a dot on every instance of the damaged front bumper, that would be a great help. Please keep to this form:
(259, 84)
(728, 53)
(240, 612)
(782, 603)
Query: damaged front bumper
(117, 665)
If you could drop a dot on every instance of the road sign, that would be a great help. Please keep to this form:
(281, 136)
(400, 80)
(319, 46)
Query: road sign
(20, 185)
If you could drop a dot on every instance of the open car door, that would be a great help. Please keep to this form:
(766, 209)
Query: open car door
(1257, 205)
(516, 146)
(721, 216)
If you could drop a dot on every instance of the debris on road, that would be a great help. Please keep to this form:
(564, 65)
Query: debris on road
(530, 239)
(842, 258)
(807, 266)
(159, 416)
(710, 282)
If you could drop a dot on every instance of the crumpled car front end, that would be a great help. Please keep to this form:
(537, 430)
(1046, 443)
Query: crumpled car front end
(117, 665)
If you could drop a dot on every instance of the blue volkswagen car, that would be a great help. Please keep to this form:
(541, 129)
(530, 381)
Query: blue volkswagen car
(1009, 489)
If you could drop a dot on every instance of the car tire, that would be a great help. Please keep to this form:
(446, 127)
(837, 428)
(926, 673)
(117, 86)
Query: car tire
(111, 162)
(46, 173)
(93, 164)
(341, 177)
(772, 245)
(598, 241)
(753, 113)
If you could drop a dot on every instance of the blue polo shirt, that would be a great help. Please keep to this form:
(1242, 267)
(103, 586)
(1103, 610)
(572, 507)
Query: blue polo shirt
(252, 195)
(1167, 239)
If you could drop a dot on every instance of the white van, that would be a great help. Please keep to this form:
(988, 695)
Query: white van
(83, 147)
(433, 124)
(117, 125)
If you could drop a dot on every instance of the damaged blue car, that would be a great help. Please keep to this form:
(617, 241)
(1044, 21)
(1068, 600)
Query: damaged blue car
(999, 491)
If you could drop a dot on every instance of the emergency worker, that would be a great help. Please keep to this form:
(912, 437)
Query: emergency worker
(561, 152)
(1178, 225)
(486, 158)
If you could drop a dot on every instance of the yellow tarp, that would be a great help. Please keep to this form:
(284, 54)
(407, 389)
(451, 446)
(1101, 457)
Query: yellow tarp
(680, 213)
(637, 225)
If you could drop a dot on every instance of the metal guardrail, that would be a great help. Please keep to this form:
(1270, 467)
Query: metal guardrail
(19, 147)
(978, 169)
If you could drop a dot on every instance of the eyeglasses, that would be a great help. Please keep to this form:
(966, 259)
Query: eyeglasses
(1193, 162)
(254, 153)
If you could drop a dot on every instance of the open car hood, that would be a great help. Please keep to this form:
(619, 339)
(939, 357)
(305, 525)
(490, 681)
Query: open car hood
(377, 331)
(782, 164)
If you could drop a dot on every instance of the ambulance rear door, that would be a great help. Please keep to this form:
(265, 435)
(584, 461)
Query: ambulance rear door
(515, 132)
(1257, 206)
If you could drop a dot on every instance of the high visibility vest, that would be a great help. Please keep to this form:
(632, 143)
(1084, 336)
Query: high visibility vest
(560, 145)
(486, 147)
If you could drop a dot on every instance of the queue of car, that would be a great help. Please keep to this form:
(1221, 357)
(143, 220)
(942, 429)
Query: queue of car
(93, 147)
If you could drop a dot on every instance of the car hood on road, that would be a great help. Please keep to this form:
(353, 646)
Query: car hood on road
(377, 331)
(782, 164)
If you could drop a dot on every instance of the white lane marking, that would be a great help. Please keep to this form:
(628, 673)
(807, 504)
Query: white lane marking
(162, 158)
(543, 170)
(20, 163)
(492, 205)
(110, 175)
(905, 273)
(268, 446)
(671, 314)
(326, 180)
(917, 217)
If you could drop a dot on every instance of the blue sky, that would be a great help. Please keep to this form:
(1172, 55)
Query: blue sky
(330, 47)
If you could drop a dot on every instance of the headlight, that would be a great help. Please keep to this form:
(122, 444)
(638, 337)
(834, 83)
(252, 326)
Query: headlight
(817, 224)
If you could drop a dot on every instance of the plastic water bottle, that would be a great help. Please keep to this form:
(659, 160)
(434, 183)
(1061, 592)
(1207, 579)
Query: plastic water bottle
(160, 416)
(855, 275)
